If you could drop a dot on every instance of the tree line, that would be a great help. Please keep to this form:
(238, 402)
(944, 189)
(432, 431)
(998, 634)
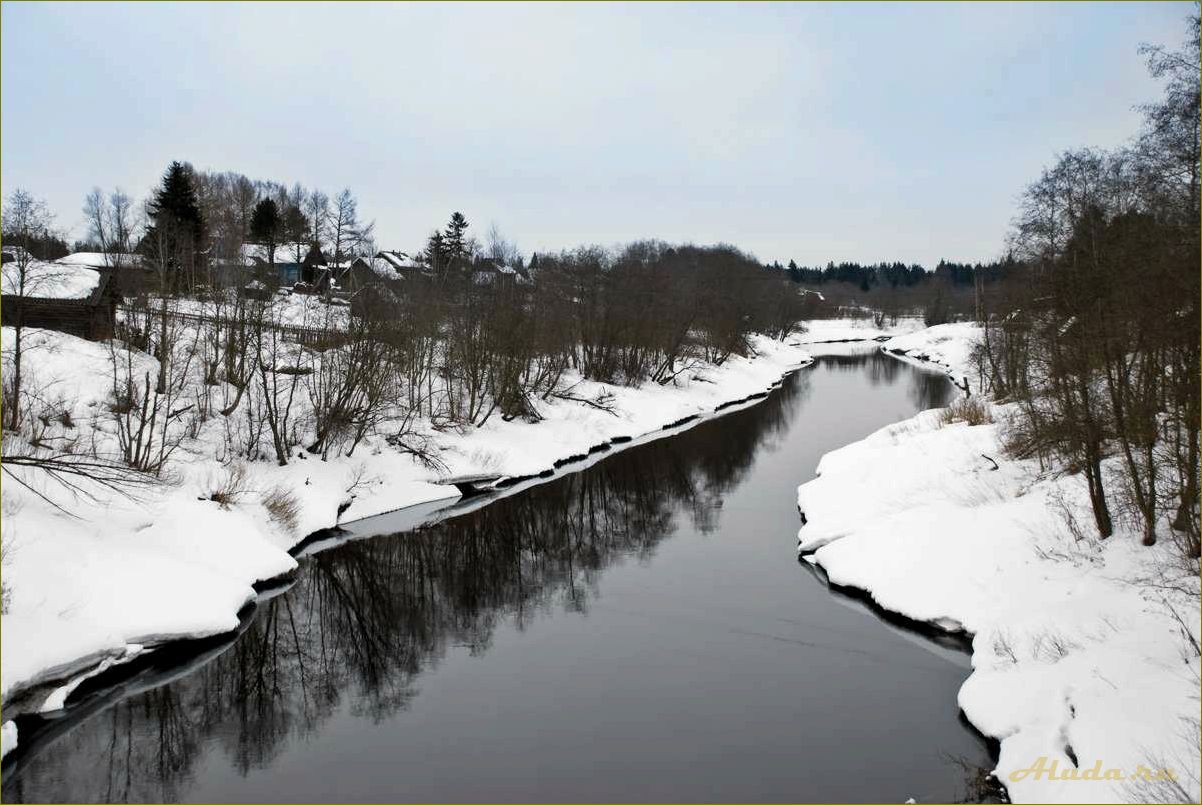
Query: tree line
(1097, 338)
(448, 347)
(883, 275)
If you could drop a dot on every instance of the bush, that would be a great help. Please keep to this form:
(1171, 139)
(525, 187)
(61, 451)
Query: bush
(230, 488)
(967, 409)
(283, 507)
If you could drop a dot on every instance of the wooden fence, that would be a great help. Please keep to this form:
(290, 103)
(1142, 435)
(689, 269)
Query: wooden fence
(314, 337)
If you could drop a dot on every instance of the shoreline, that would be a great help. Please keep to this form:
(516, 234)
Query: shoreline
(27, 697)
(1072, 654)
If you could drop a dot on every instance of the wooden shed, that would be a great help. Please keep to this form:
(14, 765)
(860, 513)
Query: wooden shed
(93, 317)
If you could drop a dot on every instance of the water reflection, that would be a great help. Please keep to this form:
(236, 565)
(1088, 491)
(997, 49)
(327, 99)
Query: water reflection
(925, 389)
(366, 621)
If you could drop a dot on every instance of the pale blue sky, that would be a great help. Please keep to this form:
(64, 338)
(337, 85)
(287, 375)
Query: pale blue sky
(810, 131)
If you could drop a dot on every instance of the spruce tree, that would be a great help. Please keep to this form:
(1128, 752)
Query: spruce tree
(265, 226)
(453, 238)
(436, 251)
(175, 237)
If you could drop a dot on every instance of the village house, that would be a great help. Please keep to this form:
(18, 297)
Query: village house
(489, 271)
(294, 262)
(72, 299)
(355, 275)
(404, 265)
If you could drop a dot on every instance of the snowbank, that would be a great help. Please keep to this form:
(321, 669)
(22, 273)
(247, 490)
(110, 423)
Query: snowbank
(1079, 650)
(8, 738)
(827, 331)
(116, 574)
(947, 345)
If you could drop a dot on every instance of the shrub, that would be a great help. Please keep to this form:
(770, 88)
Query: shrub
(232, 487)
(282, 506)
(967, 409)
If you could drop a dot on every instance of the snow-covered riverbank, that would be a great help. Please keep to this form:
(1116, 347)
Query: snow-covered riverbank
(100, 582)
(1084, 651)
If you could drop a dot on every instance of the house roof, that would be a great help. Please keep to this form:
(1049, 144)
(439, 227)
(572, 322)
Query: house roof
(50, 280)
(401, 261)
(257, 253)
(100, 259)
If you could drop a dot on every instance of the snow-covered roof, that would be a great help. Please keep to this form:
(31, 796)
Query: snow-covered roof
(100, 259)
(44, 280)
(401, 261)
(253, 253)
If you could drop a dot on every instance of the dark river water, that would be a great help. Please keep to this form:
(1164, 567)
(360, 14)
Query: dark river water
(639, 630)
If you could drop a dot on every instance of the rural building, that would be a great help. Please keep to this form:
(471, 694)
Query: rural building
(294, 262)
(71, 299)
(488, 271)
(403, 264)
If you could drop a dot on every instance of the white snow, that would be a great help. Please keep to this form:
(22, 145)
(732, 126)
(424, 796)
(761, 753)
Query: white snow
(822, 331)
(8, 738)
(99, 259)
(1076, 647)
(947, 345)
(288, 309)
(44, 280)
(252, 253)
(120, 572)
(402, 262)
(57, 699)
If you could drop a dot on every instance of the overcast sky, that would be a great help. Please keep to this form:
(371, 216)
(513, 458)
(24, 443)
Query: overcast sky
(808, 131)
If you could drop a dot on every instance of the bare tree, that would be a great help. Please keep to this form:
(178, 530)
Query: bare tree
(347, 234)
(110, 224)
(317, 210)
(25, 220)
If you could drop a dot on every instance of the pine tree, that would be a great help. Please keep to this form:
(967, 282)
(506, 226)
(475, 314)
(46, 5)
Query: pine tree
(436, 251)
(453, 237)
(794, 272)
(265, 226)
(175, 237)
(176, 205)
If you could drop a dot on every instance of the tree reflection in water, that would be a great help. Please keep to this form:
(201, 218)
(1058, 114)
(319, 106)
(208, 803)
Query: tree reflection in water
(365, 619)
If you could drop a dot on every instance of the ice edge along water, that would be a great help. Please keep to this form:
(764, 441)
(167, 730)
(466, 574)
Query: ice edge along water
(1077, 658)
(182, 567)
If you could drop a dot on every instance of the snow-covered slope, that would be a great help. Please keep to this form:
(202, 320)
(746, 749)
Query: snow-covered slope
(949, 346)
(1081, 653)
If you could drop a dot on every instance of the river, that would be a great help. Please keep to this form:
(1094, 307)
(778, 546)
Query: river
(638, 630)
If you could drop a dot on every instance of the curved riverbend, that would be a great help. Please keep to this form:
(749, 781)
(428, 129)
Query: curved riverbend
(640, 629)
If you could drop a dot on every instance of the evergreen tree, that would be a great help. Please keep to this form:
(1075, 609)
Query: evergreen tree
(436, 251)
(176, 206)
(265, 226)
(794, 272)
(453, 238)
(175, 238)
